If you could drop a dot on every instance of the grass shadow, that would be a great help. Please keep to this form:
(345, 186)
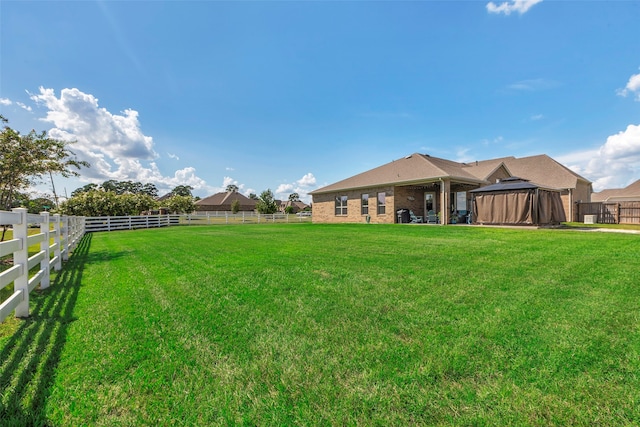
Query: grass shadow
(30, 356)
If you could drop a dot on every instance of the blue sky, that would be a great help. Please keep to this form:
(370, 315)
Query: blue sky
(294, 95)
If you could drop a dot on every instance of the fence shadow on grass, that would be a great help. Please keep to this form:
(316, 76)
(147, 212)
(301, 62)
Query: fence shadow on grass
(30, 357)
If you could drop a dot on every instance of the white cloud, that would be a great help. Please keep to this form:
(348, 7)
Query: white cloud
(615, 164)
(536, 117)
(307, 180)
(301, 186)
(229, 169)
(173, 156)
(96, 129)
(632, 87)
(533, 85)
(285, 189)
(5, 101)
(507, 7)
(113, 144)
(23, 106)
(497, 140)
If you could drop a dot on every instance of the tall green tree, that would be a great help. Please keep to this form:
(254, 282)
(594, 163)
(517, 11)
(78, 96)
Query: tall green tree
(26, 159)
(182, 190)
(232, 188)
(294, 197)
(84, 189)
(267, 203)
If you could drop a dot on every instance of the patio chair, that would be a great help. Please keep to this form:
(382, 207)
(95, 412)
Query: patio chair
(432, 218)
(415, 219)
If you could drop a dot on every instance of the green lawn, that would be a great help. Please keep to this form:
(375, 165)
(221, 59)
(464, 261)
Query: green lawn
(332, 325)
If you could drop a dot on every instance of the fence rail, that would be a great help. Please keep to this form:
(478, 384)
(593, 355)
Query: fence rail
(63, 231)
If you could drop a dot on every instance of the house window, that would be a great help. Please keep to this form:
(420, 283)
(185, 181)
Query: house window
(364, 206)
(341, 205)
(381, 203)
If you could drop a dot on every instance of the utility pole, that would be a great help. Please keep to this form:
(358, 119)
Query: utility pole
(55, 196)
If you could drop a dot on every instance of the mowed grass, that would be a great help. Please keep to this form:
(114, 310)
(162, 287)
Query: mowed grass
(332, 325)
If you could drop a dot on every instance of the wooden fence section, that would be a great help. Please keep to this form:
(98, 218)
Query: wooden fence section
(611, 212)
(65, 233)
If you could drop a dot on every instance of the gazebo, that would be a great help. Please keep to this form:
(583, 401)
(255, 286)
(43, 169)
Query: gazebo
(517, 201)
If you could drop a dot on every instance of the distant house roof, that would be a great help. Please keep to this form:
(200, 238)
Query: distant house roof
(297, 205)
(420, 168)
(164, 197)
(222, 201)
(630, 192)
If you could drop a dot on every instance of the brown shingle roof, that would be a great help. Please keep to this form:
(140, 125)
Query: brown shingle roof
(225, 199)
(417, 168)
(541, 169)
(630, 191)
(414, 168)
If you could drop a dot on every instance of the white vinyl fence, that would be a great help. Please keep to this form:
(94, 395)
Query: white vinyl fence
(113, 223)
(65, 231)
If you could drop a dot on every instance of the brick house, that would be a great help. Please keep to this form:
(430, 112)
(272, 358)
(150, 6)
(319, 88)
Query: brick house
(423, 184)
(222, 202)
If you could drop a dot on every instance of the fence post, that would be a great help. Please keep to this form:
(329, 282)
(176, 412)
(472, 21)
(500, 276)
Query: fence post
(20, 257)
(45, 246)
(58, 242)
(65, 231)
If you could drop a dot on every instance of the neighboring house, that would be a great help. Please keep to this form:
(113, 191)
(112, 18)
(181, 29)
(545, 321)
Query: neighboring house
(164, 197)
(222, 202)
(296, 206)
(425, 184)
(631, 193)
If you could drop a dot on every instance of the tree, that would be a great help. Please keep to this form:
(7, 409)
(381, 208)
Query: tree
(266, 203)
(25, 159)
(180, 204)
(149, 189)
(232, 188)
(235, 206)
(84, 189)
(294, 197)
(253, 196)
(34, 206)
(107, 203)
(120, 187)
(182, 190)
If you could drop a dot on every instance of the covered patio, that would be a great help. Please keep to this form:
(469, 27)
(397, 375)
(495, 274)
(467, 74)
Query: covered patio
(426, 200)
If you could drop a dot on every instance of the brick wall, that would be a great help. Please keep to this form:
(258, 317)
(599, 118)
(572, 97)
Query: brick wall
(324, 207)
